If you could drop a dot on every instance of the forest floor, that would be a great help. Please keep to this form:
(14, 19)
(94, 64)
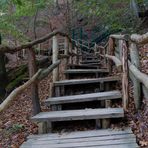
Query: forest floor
(15, 125)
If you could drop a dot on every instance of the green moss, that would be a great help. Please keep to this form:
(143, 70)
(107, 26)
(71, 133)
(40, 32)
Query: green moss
(16, 82)
(17, 72)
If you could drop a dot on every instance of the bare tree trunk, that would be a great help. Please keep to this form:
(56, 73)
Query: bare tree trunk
(34, 88)
(3, 75)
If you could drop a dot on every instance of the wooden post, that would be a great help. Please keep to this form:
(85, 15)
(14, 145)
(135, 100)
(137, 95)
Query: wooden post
(120, 49)
(125, 75)
(106, 122)
(111, 51)
(134, 55)
(70, 50)
(66, 51)
(34, 87)
(75, 57)
(55, 52)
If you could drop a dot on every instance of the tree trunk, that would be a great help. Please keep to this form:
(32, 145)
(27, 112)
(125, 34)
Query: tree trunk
(34, 88)
(3, 76)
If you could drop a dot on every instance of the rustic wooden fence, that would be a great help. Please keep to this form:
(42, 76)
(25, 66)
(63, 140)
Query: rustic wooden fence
(70, 55)
(123, 51)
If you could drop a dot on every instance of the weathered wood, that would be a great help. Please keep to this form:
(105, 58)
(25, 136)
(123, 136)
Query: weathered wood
(70, 50)
(120, 49)
(82, 139)
(66, 48)
(84, 98)
(125, 75)
(47, 71)
(90, 61)
(83, 134)
(37, 77)
(81, 66)
(93, 145)
(106, 122)
(74, 71)
(120, 36)
(18, 91)
(116, 61)
(9, 49)
(87, 139)
(134, 55)
(87, 81)
(34, 87)
(83, 114)
(142, 77)
(111, 52)
(55, 58)
(140, 39)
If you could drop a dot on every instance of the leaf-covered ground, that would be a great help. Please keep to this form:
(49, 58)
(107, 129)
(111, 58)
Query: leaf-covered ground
(15, 125)
(139, 119)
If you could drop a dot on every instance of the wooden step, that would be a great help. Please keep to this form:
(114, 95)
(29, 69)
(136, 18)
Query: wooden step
(87, 81)
(84, 98)
(83, 114)
(89, 61)
(88, 139)
(79, 71)
(80, 66)
(91, 64)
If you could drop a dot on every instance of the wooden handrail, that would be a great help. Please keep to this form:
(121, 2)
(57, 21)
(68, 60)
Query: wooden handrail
(41, 73)
(135, 74)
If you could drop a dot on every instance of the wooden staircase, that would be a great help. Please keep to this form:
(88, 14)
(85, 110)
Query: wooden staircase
(65, 104)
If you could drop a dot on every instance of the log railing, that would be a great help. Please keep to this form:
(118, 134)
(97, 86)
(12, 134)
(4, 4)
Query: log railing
(71, 55)
(123, 51)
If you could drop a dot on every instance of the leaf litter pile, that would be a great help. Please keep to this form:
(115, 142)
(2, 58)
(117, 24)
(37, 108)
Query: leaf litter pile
(15, 125)
(139, 120)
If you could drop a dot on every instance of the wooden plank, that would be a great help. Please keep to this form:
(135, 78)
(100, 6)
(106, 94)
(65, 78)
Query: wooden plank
(80, 66)
(91, 64)
(79, 114)
(82, 139)
(132, 145)
(85, 139)
(84, 98)
(76, 71)
(87, 81)
(84, 134)
(89, 61)
(109, 143)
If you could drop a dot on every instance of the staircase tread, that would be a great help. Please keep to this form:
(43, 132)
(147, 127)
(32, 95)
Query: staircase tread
(86, 81)
(92, 138)
(85, 97)
(79, 114)
(86, 71)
